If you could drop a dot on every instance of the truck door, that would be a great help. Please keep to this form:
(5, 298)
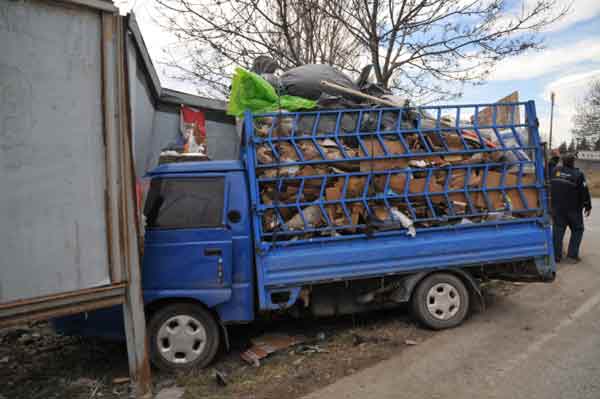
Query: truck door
(187, 244)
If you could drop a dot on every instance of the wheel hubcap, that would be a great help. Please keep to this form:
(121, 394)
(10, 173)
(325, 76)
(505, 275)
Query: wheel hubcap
(443, 301)
(181, 339)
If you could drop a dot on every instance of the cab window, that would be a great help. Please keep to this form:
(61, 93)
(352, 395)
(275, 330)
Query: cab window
(184, 203)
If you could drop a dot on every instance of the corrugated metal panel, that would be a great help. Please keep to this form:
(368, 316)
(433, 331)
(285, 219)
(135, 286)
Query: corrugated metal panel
(68, 237)
(52, 177)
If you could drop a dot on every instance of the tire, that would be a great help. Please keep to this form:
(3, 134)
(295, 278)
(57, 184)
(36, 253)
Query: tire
(441, 301)
(182, 336)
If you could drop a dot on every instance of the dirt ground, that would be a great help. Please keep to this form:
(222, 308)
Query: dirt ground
(37, 363)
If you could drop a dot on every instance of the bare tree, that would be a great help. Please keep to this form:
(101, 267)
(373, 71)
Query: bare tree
(572, 146)
(562, 148)
(219, 35)
(425, 49)
(586, 122)
(583, 145)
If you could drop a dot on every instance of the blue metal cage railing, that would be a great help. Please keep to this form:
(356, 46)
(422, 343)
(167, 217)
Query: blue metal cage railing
(339, 173)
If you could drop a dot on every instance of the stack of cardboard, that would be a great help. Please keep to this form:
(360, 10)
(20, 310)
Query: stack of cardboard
(342, 183)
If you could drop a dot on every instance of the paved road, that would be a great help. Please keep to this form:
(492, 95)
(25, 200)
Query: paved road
(542, 342)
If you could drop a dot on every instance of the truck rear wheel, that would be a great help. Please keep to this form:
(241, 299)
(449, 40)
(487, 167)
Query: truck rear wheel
(182, 336)
(440, 301)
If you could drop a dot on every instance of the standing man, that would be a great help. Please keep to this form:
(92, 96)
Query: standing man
(570, 196)
(553, 163)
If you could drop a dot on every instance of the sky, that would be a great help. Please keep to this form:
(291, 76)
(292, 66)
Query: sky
(569, 61)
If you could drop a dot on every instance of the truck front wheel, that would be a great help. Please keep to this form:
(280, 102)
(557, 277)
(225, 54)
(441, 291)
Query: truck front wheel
(182, 336)
(440, 301)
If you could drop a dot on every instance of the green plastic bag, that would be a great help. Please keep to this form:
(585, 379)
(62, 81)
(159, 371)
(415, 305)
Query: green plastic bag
(251, 92)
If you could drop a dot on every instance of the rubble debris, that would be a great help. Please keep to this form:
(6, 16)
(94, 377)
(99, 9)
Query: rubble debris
(83, 381)
(308, 218)
(331, 174)
(358, 340)
(221, 378)
(404, 220)
(374, 149)
(265, 345)
(298, 361)
(310, 349)
(120, 380)
(410, 342)
(26, 339)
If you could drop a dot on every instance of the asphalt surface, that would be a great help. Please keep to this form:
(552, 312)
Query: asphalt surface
(542, 342)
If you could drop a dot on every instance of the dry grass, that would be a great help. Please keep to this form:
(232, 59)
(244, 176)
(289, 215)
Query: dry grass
(351, 344)
(593, 179)
(292, 373)
(36, 363)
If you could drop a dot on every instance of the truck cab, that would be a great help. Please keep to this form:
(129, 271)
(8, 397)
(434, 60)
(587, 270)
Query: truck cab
(198, 241)
(197, 249)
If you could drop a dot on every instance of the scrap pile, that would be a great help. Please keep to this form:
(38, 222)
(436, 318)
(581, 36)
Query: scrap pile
(350, 166)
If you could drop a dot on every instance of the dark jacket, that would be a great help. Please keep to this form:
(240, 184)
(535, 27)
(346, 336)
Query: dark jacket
(569, 189)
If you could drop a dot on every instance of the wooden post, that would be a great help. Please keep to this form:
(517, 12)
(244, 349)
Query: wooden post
(552, 95)
(133, 307)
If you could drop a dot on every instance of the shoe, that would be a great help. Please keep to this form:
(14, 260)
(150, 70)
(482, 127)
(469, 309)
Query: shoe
(557, 260)
(572, 261)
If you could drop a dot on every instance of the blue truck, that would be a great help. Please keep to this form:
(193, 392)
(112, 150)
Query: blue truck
(340, 211)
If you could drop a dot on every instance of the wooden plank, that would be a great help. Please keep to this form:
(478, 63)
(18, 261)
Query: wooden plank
(133, 307)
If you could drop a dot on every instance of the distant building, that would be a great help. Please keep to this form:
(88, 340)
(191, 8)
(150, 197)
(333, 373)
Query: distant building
(589, 155)
(588, 160)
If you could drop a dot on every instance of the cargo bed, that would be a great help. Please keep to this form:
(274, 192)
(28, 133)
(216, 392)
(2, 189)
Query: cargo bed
(327, 187)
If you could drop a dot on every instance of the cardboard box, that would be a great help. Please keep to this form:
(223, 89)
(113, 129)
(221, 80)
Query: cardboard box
(373, 148)
(418, 185)
(458, 181)
(397, 182)
(496, 198)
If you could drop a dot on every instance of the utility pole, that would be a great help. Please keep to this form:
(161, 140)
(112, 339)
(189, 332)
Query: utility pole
(552, 95)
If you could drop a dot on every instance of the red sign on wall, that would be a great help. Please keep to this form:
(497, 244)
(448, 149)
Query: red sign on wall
(193, 130)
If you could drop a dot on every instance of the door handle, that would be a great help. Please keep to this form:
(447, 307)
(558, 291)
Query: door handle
(213, 252)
